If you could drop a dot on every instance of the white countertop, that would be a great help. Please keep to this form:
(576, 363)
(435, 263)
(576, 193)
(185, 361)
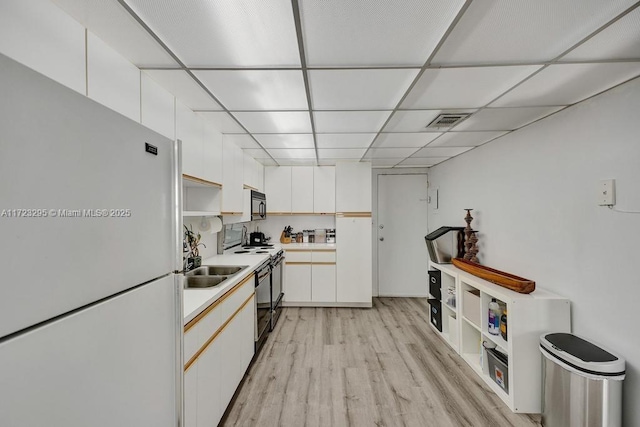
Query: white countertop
(196, 300)
(308, 246)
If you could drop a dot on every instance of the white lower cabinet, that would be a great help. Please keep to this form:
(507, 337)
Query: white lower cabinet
(211, 380)
(323, 279)
(297, 282)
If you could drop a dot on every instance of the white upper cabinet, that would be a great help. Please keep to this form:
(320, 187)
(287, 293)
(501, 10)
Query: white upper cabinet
(41, 36)
(249, 171)
(302, 189)
(232, 179)
(189, 130)
(212, 153)
(260, 177)
(353, 187)
(112, 80)
(277, 187)
(158, 107)
(324, 189)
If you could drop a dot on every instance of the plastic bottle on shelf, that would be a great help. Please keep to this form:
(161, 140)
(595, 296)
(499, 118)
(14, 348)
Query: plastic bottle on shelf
(503, 324)
(494, 317)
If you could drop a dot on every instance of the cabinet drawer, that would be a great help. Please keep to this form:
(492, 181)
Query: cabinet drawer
(323, 256)
(235, 300)
(298, 256)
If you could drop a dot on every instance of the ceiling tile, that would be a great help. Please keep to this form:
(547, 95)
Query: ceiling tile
(275, 121)
(287, 140)
(441, 151)
(464, 87)
(568, 83)
(239, 33)
(115, 26)
(416, 121)
(183, 87)
(222, 121)
(621, 40)
(508, 31)
(387, 153)
(341, 153)
(241, 140)
(344, 140)
(404, 140)
(358, 89)
(296, 162)
(380, 163)
(374, 31)
(257, 89)
(292, 153)
(504, 118)
(464, 139)
(350, 121)
(256, 153)
(422, 162)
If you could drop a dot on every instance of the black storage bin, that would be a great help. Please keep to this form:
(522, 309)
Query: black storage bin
(435, 284)
(436, 313)
(498, 368)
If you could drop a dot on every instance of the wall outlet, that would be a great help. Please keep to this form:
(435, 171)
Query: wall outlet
(607, 192)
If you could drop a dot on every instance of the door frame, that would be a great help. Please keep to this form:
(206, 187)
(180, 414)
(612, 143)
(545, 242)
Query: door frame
(374, 214)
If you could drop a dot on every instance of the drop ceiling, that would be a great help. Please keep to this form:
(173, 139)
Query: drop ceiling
(312, 82)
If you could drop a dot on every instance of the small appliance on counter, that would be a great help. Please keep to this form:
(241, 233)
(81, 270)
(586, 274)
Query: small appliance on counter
(320, 235)
(331, 235)
(445, 243)
(257, 238)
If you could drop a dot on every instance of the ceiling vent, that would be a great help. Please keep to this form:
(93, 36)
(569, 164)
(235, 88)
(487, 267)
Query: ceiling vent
(447, 120)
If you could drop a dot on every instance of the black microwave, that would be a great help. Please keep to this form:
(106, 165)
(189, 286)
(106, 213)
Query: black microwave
(258, 206)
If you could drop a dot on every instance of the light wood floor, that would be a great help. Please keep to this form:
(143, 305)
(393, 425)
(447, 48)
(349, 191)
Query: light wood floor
(364, 367)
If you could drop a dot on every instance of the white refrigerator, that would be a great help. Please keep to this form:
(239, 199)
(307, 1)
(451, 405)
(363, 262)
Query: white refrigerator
(90, 249)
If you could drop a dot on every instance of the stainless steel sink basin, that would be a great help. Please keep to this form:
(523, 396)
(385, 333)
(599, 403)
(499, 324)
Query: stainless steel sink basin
(215, 270)
(200, 282)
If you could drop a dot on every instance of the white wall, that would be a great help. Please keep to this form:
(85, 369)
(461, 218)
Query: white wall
(534, 195)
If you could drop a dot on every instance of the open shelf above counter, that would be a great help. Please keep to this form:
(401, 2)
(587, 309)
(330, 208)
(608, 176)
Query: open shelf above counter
(200, 197)
(528, 317)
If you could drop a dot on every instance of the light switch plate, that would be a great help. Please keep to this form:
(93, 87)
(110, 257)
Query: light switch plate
(607, 192)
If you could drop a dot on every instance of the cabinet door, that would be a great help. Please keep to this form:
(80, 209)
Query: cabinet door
(277, 186)
(238, 182)
(353, 260)
(323, 283)
(41, 36)
(191, 396)
(157, 107)
(113, 81)
(229, 361)
(231, 188)
(260, 177)
(297, 282)
(247, 334)
(209, 408)
(249, 171)
(302, 189)
(324, 189)
(211, 153)
(353, 187)
(189, 131)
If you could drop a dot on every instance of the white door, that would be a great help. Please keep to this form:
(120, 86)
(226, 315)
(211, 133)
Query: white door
(402, 225)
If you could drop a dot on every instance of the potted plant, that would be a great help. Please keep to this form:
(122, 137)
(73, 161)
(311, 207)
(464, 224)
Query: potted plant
(191, 253)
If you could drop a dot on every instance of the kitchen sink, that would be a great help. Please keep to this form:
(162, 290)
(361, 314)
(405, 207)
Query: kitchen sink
(199, 282)
(215, 270)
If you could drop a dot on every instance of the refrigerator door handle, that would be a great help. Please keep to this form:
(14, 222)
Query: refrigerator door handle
(177, 205)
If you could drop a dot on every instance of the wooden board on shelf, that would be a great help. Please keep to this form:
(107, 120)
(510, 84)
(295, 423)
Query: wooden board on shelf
(194, 181)
(506, 280)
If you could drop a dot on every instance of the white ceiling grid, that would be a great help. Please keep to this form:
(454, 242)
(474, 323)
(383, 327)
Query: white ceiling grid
(371, 74)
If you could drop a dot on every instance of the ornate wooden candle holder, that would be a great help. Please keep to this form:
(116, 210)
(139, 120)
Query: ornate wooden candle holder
(471, 250)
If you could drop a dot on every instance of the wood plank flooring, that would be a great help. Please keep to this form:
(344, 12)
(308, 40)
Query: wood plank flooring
(364, 367)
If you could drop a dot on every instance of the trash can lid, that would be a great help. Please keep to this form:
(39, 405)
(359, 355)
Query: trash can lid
(582, 354)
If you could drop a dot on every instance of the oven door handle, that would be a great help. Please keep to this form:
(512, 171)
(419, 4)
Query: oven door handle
(262, 276)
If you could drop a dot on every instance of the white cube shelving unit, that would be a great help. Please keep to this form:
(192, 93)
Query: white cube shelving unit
(529, 316)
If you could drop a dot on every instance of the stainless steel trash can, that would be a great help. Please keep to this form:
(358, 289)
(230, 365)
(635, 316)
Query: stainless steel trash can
(582, 383)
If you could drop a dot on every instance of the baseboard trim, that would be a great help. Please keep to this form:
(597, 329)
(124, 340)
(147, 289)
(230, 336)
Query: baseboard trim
(328, 304)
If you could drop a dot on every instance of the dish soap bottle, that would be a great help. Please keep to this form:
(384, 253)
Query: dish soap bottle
(503, 324)
(494, 317)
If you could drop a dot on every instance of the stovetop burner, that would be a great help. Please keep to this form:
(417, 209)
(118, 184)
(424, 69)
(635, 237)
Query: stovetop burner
(241, 252)
(261, 252)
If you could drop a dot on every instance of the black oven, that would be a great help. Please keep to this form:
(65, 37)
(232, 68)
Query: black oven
(263, 303)
(276, 287)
